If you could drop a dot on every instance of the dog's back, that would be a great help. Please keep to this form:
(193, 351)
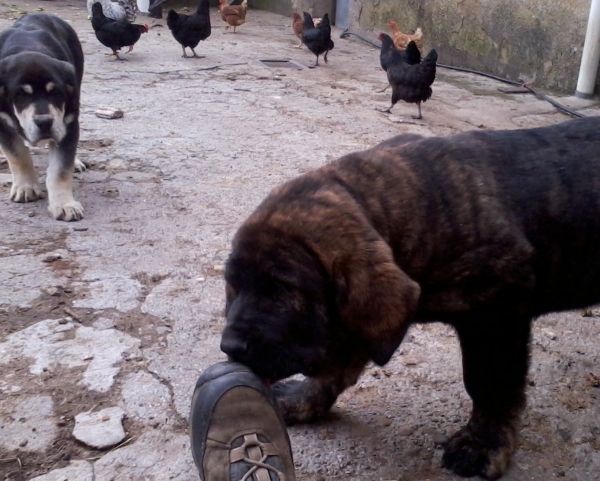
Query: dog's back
(43, 33)
(528, 199)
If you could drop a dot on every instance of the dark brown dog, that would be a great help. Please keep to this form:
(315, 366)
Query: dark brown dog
(483, 230)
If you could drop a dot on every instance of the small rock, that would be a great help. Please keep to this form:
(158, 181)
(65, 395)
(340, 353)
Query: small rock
(382, 421)
(219, 268)
(439, 438)
(564, 434)
(412, 360)
(549, 334)
(101, 429)
(51, 291)
(544, 463)
(31, 214)
(414, 452)
(52, 257)
(109, 113)
(405, 430)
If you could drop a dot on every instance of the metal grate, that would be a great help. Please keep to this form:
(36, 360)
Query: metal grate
(281, 64)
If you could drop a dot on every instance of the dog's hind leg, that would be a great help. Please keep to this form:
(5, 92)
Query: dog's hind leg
(310, 399)
(59, 182)
(25, 186)
(495, 354)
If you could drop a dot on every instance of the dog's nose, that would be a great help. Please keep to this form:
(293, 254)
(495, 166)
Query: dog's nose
(233, 346)
(43, 122)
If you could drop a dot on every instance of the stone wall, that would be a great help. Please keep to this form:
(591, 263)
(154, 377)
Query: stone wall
(522, 40)
(516, 39)
(317, 8)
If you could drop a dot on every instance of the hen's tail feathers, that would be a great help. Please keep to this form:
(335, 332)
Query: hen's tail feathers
(412, 53)
(431, 58)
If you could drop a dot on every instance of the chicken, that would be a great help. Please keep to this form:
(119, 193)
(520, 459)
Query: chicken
(401, 39)
(189, 30)
(234, 15)
(114, 34)
(317, 39)
(410, 82)
(389, 53)
(297, 22)
(120, 10)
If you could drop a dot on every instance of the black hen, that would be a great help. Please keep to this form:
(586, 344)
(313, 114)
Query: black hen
(389, 53)
(189, 30)
(317, 39)
(410, 80)
(115, 35)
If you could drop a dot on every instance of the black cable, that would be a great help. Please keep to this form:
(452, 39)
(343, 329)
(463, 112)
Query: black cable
(539, 95)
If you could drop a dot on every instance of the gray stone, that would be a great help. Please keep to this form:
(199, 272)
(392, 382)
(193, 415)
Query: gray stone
(53, 343)
(75, 471)
(132, 176)
(110, 291)
(101, 429)
(146, 399)
(156, 455)
(27, 424)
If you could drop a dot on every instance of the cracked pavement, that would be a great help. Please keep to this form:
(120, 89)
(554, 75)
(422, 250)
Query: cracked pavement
(125, 308)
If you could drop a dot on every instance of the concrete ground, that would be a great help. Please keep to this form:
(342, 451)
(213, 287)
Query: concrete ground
(115, 316)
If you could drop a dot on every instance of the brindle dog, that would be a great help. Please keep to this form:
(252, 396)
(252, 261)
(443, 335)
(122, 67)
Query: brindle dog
(482, 230)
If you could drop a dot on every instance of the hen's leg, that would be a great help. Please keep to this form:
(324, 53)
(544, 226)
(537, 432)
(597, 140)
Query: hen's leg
(386, 87)
(194, 52)
(325, 56)
(317, 62)
(495, 354)
(130, 49)
(299, 46)
(418, 116)
(184, 54)
(388, 111)
(310, 399)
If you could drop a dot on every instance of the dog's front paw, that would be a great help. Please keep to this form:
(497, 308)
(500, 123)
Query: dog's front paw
(79, 165)
(478, 452)
(25, 192)
(67, 211)
(302, 401)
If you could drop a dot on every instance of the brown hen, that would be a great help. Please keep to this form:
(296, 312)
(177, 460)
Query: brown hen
(297, 26)
(401, 40)
(234, 15)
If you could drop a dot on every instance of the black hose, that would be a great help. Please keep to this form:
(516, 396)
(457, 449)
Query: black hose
(539, 95)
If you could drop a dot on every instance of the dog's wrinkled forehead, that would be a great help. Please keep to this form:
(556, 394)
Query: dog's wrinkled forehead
(33, 81)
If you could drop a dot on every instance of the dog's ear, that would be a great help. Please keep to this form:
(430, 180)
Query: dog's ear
(69, 77)
(375, 298)
(2, 80)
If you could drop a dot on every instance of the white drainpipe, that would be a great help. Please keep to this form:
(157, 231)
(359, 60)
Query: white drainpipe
(591, 54)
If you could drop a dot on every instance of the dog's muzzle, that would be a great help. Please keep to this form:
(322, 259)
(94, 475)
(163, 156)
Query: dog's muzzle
(44, 124)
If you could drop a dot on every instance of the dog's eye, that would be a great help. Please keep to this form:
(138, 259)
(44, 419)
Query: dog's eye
(27, 89)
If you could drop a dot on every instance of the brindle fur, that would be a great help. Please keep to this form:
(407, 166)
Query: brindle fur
(483, 230)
